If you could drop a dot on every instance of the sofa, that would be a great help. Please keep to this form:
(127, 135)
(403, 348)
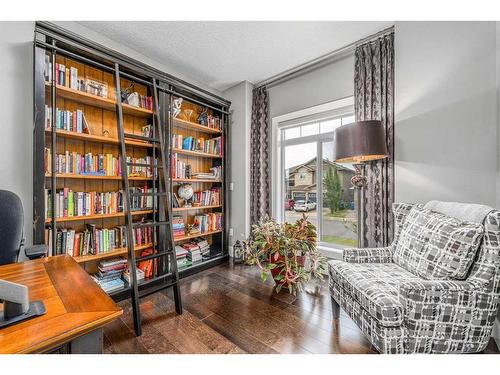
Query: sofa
(435, 289)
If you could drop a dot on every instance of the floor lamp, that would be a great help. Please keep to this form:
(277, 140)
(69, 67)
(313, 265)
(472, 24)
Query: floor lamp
(359, 143)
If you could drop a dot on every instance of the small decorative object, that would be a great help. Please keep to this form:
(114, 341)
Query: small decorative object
(203, 117)
(288, 251)
(238, 252)
(188, 229)
(176, 107)
(126, 92)
(133, 99)
(188, 113)
(188, 171)
(95, 87)
(105, 133)
(185, 191)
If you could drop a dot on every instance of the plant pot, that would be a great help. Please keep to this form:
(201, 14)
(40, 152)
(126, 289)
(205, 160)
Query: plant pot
(275, 271)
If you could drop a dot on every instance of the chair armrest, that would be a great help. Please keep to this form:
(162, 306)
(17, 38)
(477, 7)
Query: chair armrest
(373, 255)
(35, 251)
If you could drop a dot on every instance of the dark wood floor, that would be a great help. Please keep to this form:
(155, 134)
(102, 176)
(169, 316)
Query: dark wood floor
(229, 310)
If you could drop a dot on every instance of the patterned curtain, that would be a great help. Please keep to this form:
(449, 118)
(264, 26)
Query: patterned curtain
(374, 100)
(259, 174)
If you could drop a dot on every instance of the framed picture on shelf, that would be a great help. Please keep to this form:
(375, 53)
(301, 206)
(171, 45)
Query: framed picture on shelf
(95, 87)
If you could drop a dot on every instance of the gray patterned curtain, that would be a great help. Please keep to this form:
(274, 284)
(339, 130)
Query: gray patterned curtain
(259, 158)
(374, 100)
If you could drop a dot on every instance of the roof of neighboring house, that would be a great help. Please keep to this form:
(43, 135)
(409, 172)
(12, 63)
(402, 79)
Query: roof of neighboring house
(341, 167)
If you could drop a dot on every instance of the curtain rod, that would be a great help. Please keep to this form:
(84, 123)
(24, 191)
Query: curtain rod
(320, 61)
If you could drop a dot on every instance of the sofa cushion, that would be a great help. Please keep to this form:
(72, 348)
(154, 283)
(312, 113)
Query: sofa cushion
(435, 246)
(374, 285)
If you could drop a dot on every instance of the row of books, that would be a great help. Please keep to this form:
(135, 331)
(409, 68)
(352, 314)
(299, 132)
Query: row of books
(67, 76)
(178, 226)
(179, 168)
(73, 121)
(209, 146)
(208, 222)
(71, 203)
(95, 240)
(72, 162)
(139, 170)
(140, 201)
(213, 122)
(210, 197)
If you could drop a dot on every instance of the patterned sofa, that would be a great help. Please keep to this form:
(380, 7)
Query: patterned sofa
(435, 289)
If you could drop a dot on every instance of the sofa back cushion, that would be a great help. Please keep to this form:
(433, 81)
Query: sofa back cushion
(432, 245)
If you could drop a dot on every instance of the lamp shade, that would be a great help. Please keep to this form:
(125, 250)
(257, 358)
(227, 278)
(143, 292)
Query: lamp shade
(359, 142)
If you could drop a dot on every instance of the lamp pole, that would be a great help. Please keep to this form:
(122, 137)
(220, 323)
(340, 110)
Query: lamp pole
(359, 182)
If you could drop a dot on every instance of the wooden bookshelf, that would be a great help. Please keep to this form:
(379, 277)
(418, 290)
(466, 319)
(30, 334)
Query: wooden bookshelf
(103, 123)
(94, 177)
(196, 235)
(98, 138)
(196, 153)
(194, 126)
(177, 209)
(96, 217)
(109, 254)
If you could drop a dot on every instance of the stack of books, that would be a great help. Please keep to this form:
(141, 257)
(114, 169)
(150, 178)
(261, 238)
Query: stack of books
(181, 256)
(138, 272)
(207, 197)
(148, 266)
(194, 252)
(109, 276)
(215, 174)
(204, 247)
(178, 226)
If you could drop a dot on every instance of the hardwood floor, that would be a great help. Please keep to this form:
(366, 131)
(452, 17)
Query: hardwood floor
(227, 309)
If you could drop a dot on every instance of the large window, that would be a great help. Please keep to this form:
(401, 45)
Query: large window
(312, 183)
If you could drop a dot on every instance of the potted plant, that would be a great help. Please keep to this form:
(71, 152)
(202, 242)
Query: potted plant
(286, 250)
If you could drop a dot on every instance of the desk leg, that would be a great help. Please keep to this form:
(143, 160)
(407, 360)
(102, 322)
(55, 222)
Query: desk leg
(91, 343)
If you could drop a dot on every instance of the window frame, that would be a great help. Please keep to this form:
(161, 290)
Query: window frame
(336, 109)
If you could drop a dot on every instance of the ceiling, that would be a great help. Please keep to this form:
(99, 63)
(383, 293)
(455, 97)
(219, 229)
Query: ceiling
(222, 54)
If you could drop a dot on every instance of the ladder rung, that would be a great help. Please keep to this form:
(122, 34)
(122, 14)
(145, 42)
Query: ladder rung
(141, 138)
(143, 165)
(151, 290)
(149, 194)
(144, 224)
(153, 256)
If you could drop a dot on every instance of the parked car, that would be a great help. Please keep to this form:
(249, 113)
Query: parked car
(304, 206)
(289, 204)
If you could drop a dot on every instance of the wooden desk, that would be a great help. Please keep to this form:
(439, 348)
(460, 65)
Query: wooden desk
(77, 308)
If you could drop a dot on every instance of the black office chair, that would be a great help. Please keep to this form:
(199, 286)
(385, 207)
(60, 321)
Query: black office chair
(11, 230)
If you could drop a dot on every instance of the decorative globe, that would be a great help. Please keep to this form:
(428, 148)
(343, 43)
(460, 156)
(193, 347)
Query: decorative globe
(185, 191)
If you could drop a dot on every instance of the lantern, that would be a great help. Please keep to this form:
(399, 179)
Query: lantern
(238, 253)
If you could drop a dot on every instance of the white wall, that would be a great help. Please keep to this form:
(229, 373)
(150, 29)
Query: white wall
(16, 108)
(241, 111)
(446, 126)
(328, 83)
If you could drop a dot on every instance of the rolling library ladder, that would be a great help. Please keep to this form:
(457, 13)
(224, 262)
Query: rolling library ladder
(164, 246)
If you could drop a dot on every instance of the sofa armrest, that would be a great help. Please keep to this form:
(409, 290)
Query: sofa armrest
(437, 300)
(368, 255)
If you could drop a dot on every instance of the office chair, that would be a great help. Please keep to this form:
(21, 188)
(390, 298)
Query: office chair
(11, 230)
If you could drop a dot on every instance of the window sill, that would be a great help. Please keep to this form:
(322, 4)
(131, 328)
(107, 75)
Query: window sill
(330, 252)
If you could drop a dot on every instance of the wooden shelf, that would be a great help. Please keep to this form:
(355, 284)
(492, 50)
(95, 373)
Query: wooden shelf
(109, 254)
(195, 208)
(97, 101)
(196, 235)
(195, 180)
(192, 125)
(97, 138)
(92, 177)
(196, 153)
(96, 217)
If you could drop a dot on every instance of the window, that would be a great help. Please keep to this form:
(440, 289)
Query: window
(312, 183)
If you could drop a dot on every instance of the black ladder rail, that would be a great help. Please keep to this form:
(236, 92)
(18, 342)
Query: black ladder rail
(128, 213)
(165, 150)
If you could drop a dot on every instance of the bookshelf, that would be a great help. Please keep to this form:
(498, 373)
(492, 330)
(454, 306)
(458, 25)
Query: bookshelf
(77, 152)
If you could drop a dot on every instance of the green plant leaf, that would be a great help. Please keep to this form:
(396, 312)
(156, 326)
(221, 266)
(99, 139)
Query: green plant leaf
(271, 266)
(263, 276)
(279, 277)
